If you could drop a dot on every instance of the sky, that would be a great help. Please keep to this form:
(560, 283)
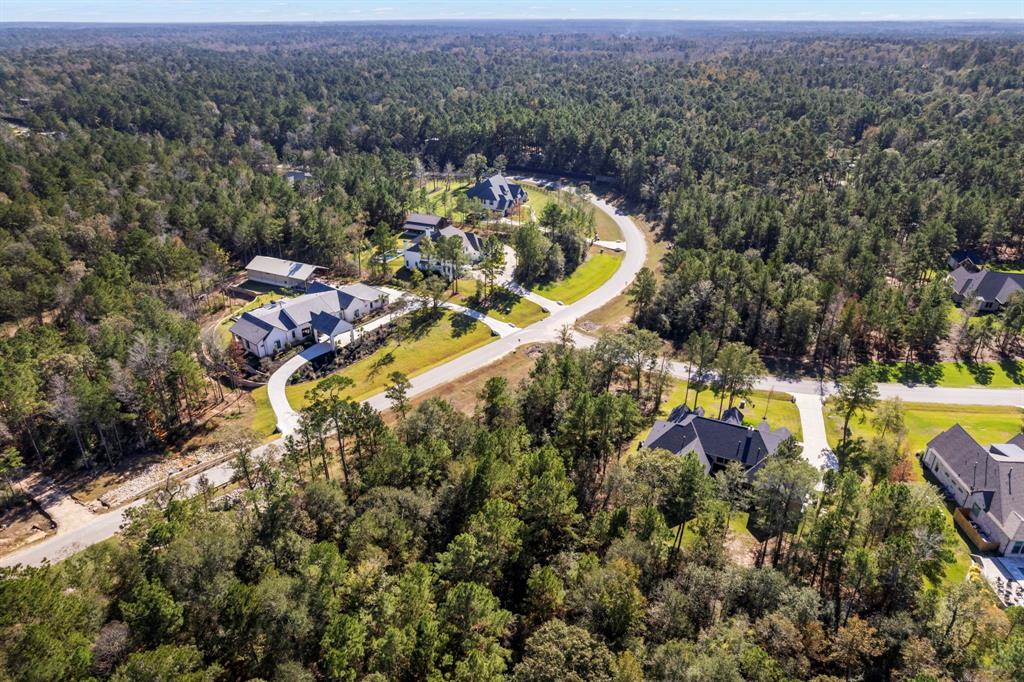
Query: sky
(162, 11)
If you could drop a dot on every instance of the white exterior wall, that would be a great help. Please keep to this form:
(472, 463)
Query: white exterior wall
(975, 504)
(949, 480)
(276, 280)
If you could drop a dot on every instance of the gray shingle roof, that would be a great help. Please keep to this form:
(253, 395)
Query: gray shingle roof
(988, 285)
(252, 329)
(291, 313)
(471, 243)
(687, 431)
(281, 268)
(997, 473)
(497, 188)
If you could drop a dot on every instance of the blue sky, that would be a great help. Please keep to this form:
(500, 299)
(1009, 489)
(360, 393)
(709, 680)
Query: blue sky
(380, 10)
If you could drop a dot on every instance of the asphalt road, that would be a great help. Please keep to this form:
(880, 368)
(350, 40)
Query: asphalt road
(808, 393)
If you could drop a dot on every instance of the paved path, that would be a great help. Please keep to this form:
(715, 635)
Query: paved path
(812, 425)
(547, 330)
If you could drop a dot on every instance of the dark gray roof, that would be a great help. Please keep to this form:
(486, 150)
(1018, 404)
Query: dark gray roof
(997, 473)
(471, 243)
(497, 188)
(687, 431)
(421, 222)
(330, 324)
(252, 329)
(988, 285)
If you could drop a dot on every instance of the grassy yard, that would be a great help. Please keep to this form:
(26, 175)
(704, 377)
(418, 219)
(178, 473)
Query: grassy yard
(605, 225)
(987, 424)
(503, 304)
(1004, 374)
(594, 272)
(223, 333)
(617, 311)
(462, 392)
(449, 336)
(924, 421)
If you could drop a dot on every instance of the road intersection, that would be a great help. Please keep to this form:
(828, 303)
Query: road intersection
(808, 394)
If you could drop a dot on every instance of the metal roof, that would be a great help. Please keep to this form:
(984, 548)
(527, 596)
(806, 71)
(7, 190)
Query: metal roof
(281, 268)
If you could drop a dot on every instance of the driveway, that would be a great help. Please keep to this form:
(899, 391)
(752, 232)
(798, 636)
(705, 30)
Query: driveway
(547, 330)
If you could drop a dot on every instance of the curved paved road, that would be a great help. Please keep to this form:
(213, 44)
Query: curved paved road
(808, 393)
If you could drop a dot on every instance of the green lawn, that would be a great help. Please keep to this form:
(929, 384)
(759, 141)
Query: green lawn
(503, 304)
(431, 344)
(1004, 374)
(606, 227)
(987, 424)
(594, 272)
(924, 421)
(781, 410)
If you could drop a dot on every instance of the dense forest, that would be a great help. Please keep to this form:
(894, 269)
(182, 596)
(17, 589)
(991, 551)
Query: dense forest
(811, 186)
(516, 544)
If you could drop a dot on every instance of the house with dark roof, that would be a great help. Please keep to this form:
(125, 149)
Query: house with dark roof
(965, 257)
(990, 288)
(418, 224)
(496, 193)
(472, 246)
(280, 272)
(716, 441)
(324, 311)
(988, 485)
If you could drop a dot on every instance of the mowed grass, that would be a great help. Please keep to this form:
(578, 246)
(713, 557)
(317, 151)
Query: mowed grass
(1004, 374)
(501, 305)
(986, 423)
(591, 274)
(617, 311)
(604, 224)
(450, 336)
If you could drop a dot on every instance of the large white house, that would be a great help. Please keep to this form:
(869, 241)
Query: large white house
(988, 484)
(496, 193)
(472, 246)
(324, 311)
(280, 273)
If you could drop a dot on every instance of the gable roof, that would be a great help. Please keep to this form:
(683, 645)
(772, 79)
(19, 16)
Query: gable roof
(291, 313)
(996, 473)
(281, 268)
(421, 222)
(497, 189)
(471, 243)
(330, 324)
(690, 431)
(988, 285)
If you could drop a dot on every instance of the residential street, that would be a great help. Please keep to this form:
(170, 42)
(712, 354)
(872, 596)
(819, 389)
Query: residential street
(808, 393)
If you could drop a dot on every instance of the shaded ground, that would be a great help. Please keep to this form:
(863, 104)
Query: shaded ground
(21, 522)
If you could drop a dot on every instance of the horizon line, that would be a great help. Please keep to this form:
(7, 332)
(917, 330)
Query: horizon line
(576, 19)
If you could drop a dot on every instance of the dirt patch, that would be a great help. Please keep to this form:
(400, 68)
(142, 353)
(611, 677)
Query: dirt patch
(158, 472)
(22, 523)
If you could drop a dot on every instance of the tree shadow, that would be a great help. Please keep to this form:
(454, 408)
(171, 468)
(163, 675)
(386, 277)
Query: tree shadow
(1014, 369)
(422, 321)
(982, 373)
(462, 325)
(501, 300)
(381, 363)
